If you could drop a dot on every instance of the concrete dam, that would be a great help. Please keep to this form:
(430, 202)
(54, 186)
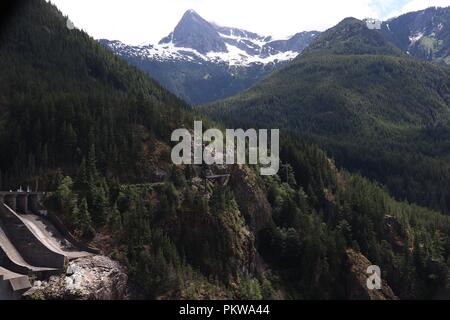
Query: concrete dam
(33, 244)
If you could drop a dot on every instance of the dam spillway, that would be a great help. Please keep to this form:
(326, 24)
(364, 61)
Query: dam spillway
(30, 244)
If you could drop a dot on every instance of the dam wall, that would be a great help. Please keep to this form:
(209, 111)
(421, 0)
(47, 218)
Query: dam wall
(33, 250)
(34, 244)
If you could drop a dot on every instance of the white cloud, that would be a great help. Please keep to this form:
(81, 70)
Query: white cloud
(137, 21)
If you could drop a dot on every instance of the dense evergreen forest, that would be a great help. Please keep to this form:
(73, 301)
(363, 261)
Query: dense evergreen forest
(82, 124)
(286, 236)
(373, 109)
(62, 93)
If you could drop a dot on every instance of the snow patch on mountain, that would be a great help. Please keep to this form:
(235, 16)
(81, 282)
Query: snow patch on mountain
(416, 37)
(170, 52)
(198, 41)
(238, 57)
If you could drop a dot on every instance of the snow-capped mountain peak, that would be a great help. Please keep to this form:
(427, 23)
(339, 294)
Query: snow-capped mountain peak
(196, 40)
(195, 32)
(201, 61)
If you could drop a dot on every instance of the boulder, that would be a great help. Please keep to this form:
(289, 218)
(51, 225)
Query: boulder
(90, 278)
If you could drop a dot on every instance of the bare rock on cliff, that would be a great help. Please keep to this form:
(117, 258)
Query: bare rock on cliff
(89, 278)
(397, 235)
(357, 280)
(250, 197)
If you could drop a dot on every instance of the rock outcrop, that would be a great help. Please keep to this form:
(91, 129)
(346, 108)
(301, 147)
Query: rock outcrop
(357, 289)
(250, 197)
(89, 278)
(397, 235)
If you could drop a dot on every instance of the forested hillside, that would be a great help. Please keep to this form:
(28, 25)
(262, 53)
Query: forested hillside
(62, 93)
(94, 132)
(374, 109)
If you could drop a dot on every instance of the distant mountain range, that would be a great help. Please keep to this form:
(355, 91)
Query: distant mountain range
(375, 109)
(201, 61)
(424, 34)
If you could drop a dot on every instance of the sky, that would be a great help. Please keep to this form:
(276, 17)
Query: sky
(147, 21)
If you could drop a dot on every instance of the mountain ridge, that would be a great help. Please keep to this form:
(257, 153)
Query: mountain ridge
(359, 100)
(195, 32)
(202, 61)
(211, 62)
(424, 34)
(352, 36)
(208, 40)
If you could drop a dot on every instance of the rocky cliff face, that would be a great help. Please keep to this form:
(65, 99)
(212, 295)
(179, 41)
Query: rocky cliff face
(424, 34)
(250, 197)
(90, 278)
(195, 32)
(357, 280)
